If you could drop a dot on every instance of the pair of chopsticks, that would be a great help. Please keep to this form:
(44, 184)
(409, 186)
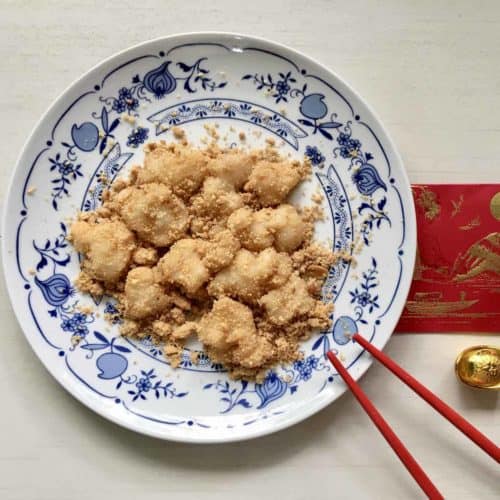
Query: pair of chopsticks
(396, 444)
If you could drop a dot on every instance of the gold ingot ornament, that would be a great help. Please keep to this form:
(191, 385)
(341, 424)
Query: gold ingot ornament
(479, 366)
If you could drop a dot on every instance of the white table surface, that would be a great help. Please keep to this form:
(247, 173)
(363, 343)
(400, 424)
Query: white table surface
(431, 70)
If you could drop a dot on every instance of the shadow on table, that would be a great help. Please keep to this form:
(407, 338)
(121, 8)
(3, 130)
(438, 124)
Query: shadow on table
(478, 398)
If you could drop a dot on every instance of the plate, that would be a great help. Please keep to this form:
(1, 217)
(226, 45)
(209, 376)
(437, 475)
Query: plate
(98, 127)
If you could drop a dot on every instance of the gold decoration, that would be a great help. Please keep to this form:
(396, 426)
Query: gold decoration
(432, 304)
(495, 206)
(420, 267)
(479, 366)
(457, 205)
(476, 222)
(428, 201)
(481, 258)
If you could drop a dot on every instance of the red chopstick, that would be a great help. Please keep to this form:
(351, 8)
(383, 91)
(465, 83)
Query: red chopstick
(449, 413)
(395, 443)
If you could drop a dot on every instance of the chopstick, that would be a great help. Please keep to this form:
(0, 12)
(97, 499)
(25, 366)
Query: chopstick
(390, 436)
(446, 411)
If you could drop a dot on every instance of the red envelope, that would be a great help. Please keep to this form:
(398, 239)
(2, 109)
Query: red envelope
(456, 285)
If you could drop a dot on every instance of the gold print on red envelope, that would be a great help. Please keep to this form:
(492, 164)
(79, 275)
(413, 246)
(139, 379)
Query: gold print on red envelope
(456, 285)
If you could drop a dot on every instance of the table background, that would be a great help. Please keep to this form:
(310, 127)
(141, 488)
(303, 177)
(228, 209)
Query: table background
(431, 70)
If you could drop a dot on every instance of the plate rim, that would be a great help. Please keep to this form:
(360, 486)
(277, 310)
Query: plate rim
(253, 432)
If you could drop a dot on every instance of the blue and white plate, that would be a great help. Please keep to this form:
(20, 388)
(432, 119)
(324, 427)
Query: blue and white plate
(239, 83)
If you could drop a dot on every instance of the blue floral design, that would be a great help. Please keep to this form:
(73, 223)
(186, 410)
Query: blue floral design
(144, 384)
(110, 308)
(113, 365)
(365, 297)
(271, 389)
(113, 313)
(343, 139)
(196, 74)
(343, 230)
(137, 137)
(105, 173)
(76, 324)
(274, 386)
(56, 289)
(152, 349)
(349, 148)
(53, 252)
(314, 109)
(155, 351)
(231, 396)
(314, 155)
(343, 328)
(85, 137)
(365, 300)
(68, 172)
(312, 105)
(367, 180)
(125, 102)
(67, 325)
(107, 128)
(186, 112)
(281, 88)
(305, 367)
(159, 81)
(375, 215)
(147, 383)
